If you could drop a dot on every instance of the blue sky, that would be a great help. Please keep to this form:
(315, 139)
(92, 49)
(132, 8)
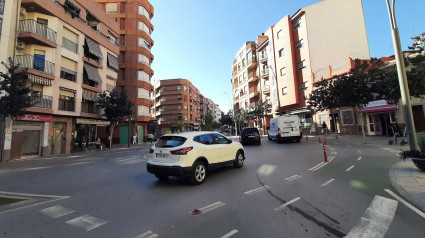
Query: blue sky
(198, 39)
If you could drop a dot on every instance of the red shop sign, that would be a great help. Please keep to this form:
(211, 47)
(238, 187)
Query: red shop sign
(33, 117)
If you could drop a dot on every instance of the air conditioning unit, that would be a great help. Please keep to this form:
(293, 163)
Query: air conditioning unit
(20, 45)
(23, 12)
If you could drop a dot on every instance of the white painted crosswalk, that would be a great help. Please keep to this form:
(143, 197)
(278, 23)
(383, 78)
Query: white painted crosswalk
(130, 160)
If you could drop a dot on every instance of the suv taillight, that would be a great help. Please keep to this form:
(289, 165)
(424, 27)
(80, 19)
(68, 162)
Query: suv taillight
(278, 130)
(182, 151)
(150, 151)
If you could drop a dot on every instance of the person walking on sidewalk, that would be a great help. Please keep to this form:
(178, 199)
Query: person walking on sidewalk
(325, 129)
(98, 142)
(108, 143)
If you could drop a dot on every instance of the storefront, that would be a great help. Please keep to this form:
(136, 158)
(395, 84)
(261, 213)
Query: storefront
(379, 115)
(87, 130)
(30, 136)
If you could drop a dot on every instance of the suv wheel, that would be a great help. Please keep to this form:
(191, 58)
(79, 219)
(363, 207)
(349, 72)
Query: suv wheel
(238, 160)
(161, 177)
(199, 172)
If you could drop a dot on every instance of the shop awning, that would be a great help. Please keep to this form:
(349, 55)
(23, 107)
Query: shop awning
(93, 73)
(94, 47)
(112, 61)
(384, 108)
(89, 95)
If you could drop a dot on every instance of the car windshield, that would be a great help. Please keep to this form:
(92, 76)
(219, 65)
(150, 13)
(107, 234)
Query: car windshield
(170, 141)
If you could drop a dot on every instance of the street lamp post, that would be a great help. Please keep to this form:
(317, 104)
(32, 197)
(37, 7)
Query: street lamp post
(402, 78)
(233, 113)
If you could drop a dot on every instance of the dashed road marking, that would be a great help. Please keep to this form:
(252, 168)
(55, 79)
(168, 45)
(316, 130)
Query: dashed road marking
(80, 163)
(360, 158)
(419, 212)
(376, 220)
(316, 166)
(148, 234)
(230, 233)
(322, 164)
(38, 168)
(360, 151)
(328, 182)
(334, 152)
(56, 211)
(86, 222)
(292, 178)
(287, 204)
(210, 207)
(257, 190)
(350, 146)
(350, 168)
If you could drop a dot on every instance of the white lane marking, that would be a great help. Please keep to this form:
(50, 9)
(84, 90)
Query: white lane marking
(211, 207)
(80, 163)
(26, 195)
(287, 203)
(148, 234)
(37, 168)
(134, 161)
(328, 182)
(349, 146)
(360, 151)
(419, 212)
(331, 158)
(316, 166)
(387, 148)
(349, 168)
(360, 158)
(292, 178)
(56, 211)
(230, 234)
(123, 160)
(376, 220)
(86, 222)
(336, 143)
(257, 190)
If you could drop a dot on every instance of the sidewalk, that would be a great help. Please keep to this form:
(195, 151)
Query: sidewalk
(407, 180)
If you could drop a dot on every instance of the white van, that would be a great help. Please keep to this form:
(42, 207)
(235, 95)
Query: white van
(286, 127)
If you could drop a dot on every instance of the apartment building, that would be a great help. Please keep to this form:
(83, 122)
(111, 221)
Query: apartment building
(135, 72)
(177, 100)
(244, 77)
(314, 37)
(70, 51)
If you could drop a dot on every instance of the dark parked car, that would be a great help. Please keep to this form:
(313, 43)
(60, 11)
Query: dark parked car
(250, 135)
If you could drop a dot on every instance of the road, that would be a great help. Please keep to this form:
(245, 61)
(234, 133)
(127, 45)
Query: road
(283, 190)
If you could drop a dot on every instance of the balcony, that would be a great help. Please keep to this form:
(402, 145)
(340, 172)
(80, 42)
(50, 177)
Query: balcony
(253, 91)
(32, 32)
(252, 62)
(263, 58)
(42, 101)
(36, 62)
(264, 73)
(266, 89)
(252, 77)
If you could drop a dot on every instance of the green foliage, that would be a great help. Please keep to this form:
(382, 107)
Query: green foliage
(227, 119)
(210, 124)
(14, 93)
(418, 42)
(178, 124)
(116, 105)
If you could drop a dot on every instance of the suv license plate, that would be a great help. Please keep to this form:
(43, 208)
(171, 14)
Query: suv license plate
(159, 155)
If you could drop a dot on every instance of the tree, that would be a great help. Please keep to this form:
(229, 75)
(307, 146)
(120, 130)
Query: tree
(260, 110)
(117, 106)
(178, 124)
(210, 124)
(418, 42)
(14, 92)
(227, 119)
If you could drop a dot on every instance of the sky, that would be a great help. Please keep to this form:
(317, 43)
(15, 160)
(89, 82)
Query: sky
(198, 39)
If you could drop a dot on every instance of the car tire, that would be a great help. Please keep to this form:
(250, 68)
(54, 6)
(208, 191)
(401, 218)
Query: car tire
(259, 142)
(239, 159)
(278, 139)
(161, 177)
(198, 174)
(298, 140)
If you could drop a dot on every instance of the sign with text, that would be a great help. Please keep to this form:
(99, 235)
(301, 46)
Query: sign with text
(377, 103)
(34, 117)
(92, 122)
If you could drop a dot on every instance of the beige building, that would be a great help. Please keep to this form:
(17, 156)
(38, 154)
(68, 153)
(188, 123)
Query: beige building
(70, 50)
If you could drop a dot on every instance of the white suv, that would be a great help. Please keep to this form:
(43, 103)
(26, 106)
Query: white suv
(192, 154)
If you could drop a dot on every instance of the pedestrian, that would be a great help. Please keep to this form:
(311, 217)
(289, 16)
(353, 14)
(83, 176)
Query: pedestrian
(134, 140)
(108, 142)
(324, 128)
(98, 142)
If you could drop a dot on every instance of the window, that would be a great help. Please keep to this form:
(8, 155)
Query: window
(284, 91)
(179, 117)
(179, 98)
(281, 53)
(283, 71)
(142, 11)
(68, 69)
(143, 43)
(219, 139)
(301, 65)
(185, 107)
(66, 99)
(143, 93)
(243, 62)
(143, 110)
(143, 76)
(143, 27)
(299, 44)
(179, 88)
(143, 59)
(303, 86)
(204, 139)
(185, 88)
(297, 25)
(111, 8)
(347, 117)
(279, 34)
(244, 75)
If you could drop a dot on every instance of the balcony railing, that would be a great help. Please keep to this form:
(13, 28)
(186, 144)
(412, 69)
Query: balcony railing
(69, 45)
(31, 26)
(36, 62)
(266, 89)
(42, 101)
(263, 57)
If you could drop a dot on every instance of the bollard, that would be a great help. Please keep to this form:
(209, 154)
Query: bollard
(325, 141)
(320, 141)
(324, 152)
(306, 138)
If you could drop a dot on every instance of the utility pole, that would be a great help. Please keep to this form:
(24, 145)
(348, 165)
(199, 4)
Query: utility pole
(402, 79)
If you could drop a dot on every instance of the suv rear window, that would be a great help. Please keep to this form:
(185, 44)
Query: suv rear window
(250, 130)
(170, 141)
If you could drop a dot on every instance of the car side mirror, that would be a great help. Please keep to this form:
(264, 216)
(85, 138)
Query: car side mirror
(230, 141)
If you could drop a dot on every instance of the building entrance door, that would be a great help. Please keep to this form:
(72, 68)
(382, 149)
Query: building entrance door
(124, 135)
(140, 134)
(59, 142)
(375, 127)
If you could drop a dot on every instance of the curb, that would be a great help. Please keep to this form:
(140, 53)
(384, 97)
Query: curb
(403, 176)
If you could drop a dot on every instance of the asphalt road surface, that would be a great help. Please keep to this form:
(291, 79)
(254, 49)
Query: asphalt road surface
(283, 190)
